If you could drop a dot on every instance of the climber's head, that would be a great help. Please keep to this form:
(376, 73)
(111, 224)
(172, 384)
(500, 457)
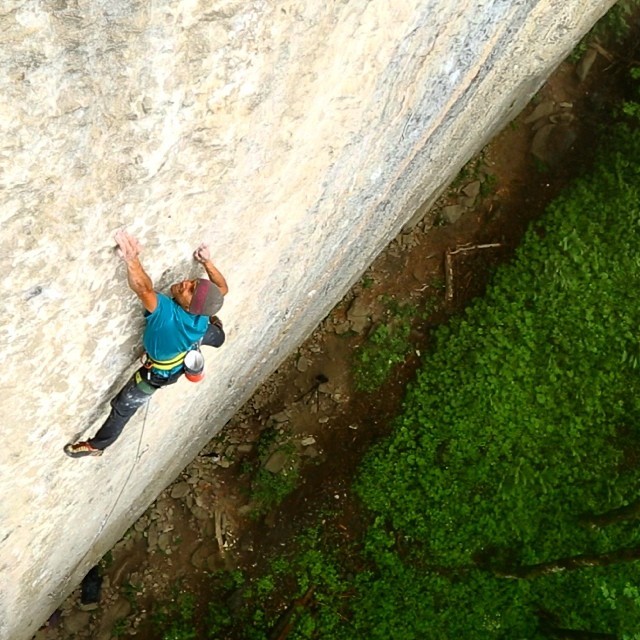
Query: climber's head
(200, 297)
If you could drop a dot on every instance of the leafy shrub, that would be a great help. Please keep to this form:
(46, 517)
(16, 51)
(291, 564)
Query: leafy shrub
(614, 27)
(521, 420)
(270, 489)
(175, 619)
(387, 345)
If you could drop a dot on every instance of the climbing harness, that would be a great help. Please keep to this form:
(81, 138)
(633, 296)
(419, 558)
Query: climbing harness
(192, 362)
(163, 365)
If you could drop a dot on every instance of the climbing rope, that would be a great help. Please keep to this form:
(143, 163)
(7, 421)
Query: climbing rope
(133, 466)
(115, 504)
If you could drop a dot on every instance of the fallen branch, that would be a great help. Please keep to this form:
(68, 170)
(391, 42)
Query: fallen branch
(448, 264)
(474, 247)
(219, 530)
(528, 572)
(630, 511)
(602, 51)
(284, 625)
(448, 276)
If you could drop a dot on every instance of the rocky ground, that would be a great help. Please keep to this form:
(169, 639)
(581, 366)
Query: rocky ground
(307, 426)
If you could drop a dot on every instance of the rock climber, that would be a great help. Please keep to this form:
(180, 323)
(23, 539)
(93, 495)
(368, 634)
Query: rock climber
(174, 325)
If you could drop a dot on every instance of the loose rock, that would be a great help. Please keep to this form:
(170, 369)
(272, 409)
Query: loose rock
(152, 536)
(199, 557)
(164, 542)
(200, 513)
(472, 189)
(276, 461)
(283, 416)
(543, 110)
(180, 490)
(76, 621)
(451, 213)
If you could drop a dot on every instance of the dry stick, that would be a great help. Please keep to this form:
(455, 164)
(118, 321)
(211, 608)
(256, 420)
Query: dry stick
(629, 511)
(284, 625)
(218, 519)
(466, 248)
(602, 51)
(448, 276)
(226, 537)
(448, 262)
(527, 572)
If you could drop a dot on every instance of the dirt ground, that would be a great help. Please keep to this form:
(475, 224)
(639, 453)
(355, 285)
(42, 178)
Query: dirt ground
(308, 420)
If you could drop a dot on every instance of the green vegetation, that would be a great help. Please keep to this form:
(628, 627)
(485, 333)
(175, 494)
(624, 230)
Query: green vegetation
(320, 587)
(631, 108)
(488, 184)
(269, 489)
(614, 27)
(218, 618)
(120, 628)
(505, 502)
(238, 608)
(387, 345)
(176, 619)
(475, 169)
(519, 430)
(504, 505)
(367, 282)
(131, 592)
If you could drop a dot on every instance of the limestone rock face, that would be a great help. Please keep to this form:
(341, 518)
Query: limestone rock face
(296, 138)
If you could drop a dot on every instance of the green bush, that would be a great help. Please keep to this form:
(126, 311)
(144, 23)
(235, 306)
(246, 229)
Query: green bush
(524, 417)
(613, 28)
(387, 345)
(175, 619)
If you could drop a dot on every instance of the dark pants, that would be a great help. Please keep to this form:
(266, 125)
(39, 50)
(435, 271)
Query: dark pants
(133, 395)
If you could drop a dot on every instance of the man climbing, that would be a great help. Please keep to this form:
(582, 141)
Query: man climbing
(173, 326)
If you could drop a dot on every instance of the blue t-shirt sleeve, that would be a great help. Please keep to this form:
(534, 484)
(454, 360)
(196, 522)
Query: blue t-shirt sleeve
(158, 323)
(163, 305)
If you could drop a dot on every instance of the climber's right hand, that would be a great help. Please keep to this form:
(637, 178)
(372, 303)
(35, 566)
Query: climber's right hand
(128, 247)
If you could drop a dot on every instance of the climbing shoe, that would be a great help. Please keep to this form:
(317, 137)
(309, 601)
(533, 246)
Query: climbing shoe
(81, 449)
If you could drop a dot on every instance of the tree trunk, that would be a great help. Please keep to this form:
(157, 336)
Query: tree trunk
(628, 512)
(576, 634)
(568, 564)
(550, 627)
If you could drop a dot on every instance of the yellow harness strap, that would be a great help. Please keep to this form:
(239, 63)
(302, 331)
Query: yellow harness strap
(166, 365)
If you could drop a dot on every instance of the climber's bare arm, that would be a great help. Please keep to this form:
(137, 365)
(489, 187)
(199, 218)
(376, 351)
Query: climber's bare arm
(202, 255)
(129, 249)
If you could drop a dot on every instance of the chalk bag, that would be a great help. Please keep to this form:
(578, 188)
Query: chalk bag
(194, 365)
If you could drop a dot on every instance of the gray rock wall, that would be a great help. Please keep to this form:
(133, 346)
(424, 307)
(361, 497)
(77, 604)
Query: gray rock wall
(297, 138)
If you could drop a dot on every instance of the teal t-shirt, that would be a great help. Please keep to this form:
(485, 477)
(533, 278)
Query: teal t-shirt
(171, 330)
